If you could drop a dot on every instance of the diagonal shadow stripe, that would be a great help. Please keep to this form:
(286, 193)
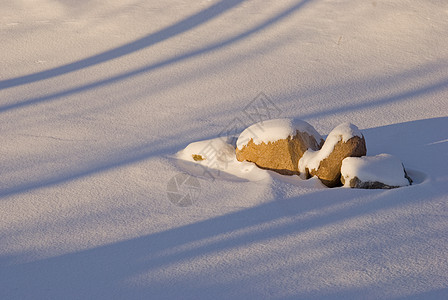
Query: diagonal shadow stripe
(168, 61)
(152, 39)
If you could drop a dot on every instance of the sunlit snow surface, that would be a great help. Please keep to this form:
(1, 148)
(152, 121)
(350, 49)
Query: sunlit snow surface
(97, 97)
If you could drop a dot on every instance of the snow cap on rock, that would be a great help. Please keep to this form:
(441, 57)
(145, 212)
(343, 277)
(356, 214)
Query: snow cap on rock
(380, 171)
(343, 132)
(274, 130)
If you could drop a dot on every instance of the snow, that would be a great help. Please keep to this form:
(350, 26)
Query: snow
(384, 168)
(274, 130)
(311, 159)
(96, 97)
(216, 157)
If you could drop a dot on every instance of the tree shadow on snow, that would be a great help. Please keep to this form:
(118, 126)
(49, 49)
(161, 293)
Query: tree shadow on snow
(111, 271)
(103, 271)
(159, 36)
(180, 27)
(119, 156)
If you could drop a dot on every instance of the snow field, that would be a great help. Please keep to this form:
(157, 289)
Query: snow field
(96, 97)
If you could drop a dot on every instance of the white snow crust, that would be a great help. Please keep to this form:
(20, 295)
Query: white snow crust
(311, 159)
(219, 155)
(274, 130)
(384, 168)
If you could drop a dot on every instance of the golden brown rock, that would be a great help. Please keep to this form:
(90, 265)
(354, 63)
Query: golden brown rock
(281, 156)
(329, 170)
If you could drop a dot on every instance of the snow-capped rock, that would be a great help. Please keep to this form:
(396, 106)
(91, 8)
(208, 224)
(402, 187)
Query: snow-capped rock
(343, 141)
(383, 171)
(277, 144)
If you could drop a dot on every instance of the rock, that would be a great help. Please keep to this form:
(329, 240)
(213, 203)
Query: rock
(329, 171)
(344, 141)
(277, 144)
(382, 171)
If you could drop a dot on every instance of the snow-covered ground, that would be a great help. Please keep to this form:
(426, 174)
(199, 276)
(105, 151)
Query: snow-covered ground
(96, 98)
